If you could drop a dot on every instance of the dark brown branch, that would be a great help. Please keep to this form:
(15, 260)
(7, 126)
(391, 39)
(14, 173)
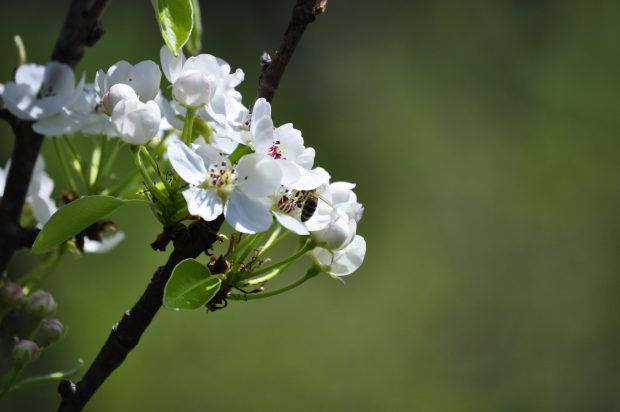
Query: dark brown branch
(304, 13)
(81, 27)
(188, 243)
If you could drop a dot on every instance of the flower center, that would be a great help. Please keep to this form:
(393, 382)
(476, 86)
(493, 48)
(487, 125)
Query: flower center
(222, 177)
(277, 150)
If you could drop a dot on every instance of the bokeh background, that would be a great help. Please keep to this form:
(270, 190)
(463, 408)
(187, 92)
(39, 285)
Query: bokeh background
(483, 137)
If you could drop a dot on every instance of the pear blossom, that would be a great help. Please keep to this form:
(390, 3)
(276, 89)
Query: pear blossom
(144, 78)
(341, 262)
(39, 91)
(136, 122)
(284, 144)
(198, 79)
(346, 213)
(216, 186)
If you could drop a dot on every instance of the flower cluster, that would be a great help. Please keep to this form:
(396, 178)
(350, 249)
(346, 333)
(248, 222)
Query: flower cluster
(227, 159)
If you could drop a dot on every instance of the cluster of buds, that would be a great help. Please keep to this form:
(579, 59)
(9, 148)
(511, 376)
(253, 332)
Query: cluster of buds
(33, 312)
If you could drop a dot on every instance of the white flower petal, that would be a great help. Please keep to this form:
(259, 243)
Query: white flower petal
(145, 77)
(258, 175)
(306, 158)
(291, 223)
(170, 65)
(290, 140)
(18, 100)
(310, 179)
(204, 203)
(117, 73)
(246, 214)
(58, 81)
(136, 122)
(206, 64)
(30, 75)
(349, 259)
(107, 243)
(59, 124)
(187, 163)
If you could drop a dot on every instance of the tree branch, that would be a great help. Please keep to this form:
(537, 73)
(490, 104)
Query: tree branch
(188, 243)
(304, 13)
(81, 27)
(197, 238)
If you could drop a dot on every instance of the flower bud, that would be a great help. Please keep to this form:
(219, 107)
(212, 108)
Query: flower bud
(192, 89)
(25, 351)
(338, 234)
(11, 294)
(136, 122)
(40, 304)
(117, 93)
(51, 330)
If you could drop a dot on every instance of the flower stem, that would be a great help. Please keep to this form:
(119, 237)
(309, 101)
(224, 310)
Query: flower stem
(12, 375)
(77, 162)
(273, 240)
(147, 179)
(312, 272)
(155, 166)
(98, 159)
(45, 267)
(188, 125)
(305, 249)
(246, 246)
(63, 162)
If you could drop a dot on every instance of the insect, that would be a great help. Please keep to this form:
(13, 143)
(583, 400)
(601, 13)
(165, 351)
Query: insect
(308, 201)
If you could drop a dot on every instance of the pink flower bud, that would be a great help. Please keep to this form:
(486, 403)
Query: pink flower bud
(51, 330)
(192, 89)
(11, 294)
(40, 304)
(25, 351)
(117, 93)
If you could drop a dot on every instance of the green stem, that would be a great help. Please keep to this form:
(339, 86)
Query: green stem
(307, 247)
(35, 329)
(97, 160)
(12, 375)
(312, 272)
(274, 240)
(251, 243)
(77, 162)
(111, 158)
(65, 168)
(49, 378)
(188, 125)
(45, 267)
(155, 167)
(147, 179)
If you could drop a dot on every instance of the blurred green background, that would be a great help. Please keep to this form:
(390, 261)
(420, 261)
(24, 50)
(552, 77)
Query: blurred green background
(483, 137)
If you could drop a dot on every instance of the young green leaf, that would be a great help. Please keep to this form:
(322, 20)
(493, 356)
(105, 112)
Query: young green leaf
(71, 219)
(175, 19)
(190, 286)
(194, 44)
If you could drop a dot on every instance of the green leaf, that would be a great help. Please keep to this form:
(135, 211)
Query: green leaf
(194, 44)
(190, 286)
(175, 18)
(71, 219)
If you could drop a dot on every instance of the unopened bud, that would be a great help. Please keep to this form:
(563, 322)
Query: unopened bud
(117, 92)
(11, 294)
(51, 330)
(40, 304)
(25, 351)
(192, 89)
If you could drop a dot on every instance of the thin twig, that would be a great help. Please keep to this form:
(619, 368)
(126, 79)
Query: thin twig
(188, 243)
(304, 13)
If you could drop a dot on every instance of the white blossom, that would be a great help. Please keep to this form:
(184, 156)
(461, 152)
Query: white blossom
(144, 78)
(341, 262)
(136, 122)
(40, 91)
(239, 191)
